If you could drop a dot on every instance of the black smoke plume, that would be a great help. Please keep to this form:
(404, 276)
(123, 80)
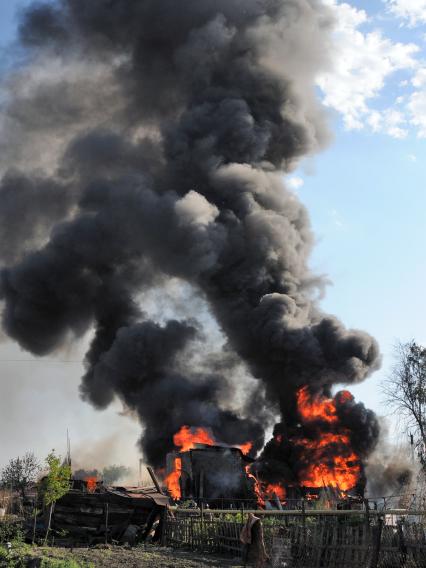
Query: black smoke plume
(167, 127)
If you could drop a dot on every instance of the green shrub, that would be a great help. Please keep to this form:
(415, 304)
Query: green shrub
(11, 532)
(8, 560)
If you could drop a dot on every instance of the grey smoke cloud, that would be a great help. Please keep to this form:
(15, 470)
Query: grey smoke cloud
(174, 165)
(27, 205)
(390, 469)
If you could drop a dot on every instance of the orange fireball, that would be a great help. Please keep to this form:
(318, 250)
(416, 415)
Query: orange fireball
(330, 459)
(313, 408)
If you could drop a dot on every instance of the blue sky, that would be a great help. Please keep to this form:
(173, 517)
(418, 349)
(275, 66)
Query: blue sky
(8, 18)
(367, 200)
(365, 193)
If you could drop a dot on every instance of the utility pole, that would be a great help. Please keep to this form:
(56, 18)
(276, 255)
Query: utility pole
(68, 449)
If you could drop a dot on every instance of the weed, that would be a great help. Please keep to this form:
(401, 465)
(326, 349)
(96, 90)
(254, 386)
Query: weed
(67, 563)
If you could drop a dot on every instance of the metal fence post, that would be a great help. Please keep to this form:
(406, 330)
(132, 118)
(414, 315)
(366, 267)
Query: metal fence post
(106, 522)
(202, 542)
(377, 540)
(402, 543)
(164, 522)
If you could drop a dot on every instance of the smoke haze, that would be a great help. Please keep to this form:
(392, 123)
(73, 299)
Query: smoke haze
(146, 144)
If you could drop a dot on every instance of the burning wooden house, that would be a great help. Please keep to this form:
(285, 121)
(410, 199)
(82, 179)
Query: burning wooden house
(210, 473)
(301, 461)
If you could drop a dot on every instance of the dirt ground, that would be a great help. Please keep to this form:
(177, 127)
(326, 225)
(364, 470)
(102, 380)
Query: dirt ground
(119, 557)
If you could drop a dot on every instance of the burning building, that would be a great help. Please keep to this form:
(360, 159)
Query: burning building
(317, 453)
(201, 469)
(168, 172)
(210, 474)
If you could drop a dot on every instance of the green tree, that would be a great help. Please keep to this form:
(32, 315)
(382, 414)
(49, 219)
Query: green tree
(55, 484)
(20, 472)
(405, 392)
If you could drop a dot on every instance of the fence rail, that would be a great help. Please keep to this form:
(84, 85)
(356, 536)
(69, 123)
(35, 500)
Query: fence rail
(301, 512)
(319, 539)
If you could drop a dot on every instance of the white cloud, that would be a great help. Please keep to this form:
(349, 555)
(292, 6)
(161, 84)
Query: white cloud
(412, 11)
(389, 121)
(416, 105)
(412, 158)
(417, 112)
(363, 62)
(419, 79)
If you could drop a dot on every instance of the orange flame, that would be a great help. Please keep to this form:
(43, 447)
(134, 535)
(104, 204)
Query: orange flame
(315, 408)
(91, 484)
(326, 440)
(266, 492)
(330, 458)
(246, 448)
(277, 489)
(256, 487)
(342, 473)
(186, 439)
(173, 479)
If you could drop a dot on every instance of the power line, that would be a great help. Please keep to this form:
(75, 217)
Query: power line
(54, 361)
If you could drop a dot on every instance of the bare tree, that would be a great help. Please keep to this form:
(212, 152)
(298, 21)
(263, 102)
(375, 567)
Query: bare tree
(405, 392)
(20, 472)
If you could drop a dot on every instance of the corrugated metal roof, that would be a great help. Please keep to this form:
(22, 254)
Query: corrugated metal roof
(141, 493)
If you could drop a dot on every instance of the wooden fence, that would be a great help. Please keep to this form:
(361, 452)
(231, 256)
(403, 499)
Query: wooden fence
(349, 540)
(213, 535)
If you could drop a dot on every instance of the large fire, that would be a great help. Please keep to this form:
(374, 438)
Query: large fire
(339, 472)
(330, 459)
(315, 408)
(323, 445)
(187, 439)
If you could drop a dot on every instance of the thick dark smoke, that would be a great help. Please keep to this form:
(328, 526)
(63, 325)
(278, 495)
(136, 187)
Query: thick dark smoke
(27, 205)
(285, 455)
(170, 166)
